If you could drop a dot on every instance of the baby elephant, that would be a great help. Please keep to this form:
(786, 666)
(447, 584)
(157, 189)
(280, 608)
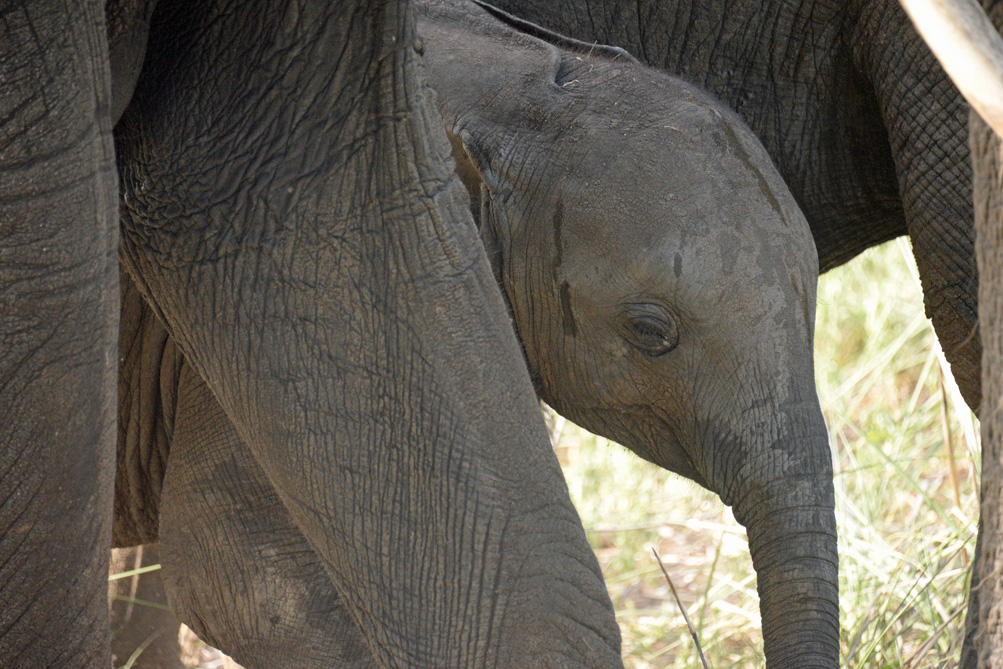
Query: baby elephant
(662, 282)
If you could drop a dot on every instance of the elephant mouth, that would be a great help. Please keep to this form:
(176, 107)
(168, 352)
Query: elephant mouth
(690, 471)
(670, 454)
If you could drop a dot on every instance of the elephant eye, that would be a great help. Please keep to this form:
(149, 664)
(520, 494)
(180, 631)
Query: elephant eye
(651, 329)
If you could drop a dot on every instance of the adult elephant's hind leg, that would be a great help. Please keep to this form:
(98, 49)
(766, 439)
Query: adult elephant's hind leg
(236, 568)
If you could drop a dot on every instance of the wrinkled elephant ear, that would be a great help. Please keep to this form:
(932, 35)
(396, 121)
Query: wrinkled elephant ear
(493, 114)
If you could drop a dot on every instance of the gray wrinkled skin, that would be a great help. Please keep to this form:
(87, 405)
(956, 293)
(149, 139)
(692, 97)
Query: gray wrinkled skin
(58, 327)
(290, 215)
(662, 281)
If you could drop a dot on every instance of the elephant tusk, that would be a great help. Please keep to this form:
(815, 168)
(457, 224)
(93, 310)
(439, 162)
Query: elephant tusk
(965, 42)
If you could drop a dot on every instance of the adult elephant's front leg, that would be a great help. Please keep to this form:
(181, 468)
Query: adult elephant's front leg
(58, 320)
(289, 212)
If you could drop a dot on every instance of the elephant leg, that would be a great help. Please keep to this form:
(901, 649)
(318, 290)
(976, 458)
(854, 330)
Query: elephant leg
(289, 209)
(984, 626)
(927, 121)
(238, 571)
(139, 619)
(58, 319)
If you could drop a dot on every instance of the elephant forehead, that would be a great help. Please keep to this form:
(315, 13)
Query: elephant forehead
(691, 152)
(717, 269)
(650, 215)
(711, 197)
(691, 252)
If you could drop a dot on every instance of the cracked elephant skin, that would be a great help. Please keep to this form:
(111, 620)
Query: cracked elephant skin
(662, 297)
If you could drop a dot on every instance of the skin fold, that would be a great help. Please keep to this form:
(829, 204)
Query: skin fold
(662, 281)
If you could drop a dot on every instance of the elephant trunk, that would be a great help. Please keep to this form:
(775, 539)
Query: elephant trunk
(786, 503)
(793, 550)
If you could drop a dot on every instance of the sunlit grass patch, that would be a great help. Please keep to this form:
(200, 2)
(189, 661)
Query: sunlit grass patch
(906, 509)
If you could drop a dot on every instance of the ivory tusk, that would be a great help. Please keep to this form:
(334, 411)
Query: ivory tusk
(968, 46)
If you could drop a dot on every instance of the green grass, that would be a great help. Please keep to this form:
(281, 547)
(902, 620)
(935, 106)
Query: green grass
(906, 532)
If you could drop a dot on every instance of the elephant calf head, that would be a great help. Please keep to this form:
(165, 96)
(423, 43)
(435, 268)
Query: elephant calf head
(662, 281)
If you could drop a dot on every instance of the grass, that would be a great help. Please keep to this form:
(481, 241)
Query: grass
(906, 514)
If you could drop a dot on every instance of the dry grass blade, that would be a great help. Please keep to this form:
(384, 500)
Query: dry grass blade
(952, 466)
(855, 644)
(679, 602)
(134, 572)
(914, 659)
(139, 651)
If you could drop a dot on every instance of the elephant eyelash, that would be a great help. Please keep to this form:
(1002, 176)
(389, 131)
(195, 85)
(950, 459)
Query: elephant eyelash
(653, 331)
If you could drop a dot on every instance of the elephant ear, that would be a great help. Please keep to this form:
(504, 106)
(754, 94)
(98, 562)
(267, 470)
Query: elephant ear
(469, 166)
(495, 89)
(506, 101)
(484, 188)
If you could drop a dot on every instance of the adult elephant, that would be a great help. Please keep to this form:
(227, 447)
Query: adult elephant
(860, 119)
(290, 214)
